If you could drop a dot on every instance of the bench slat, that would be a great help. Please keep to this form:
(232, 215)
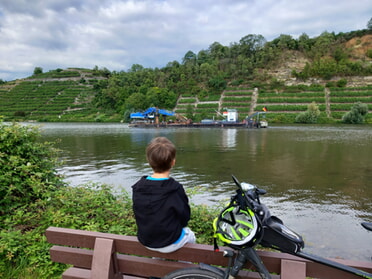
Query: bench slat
(76, 273)
(74, 256)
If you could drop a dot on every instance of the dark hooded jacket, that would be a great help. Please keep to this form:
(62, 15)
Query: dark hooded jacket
(161, 209)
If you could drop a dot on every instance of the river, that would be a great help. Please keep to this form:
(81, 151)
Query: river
(317, 177)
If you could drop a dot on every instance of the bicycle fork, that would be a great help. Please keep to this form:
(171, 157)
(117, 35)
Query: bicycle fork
(249, 254)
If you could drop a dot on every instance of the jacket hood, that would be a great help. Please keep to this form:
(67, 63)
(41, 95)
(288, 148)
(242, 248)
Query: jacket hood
(157, 189)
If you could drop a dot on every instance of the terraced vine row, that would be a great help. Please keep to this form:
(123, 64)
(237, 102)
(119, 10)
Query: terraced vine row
(335, 105)
(39, 98)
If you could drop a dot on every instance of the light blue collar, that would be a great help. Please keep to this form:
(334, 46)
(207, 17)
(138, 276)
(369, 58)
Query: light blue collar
(153, 178)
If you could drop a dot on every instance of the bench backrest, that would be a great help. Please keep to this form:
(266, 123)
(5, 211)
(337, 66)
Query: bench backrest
(105, 255)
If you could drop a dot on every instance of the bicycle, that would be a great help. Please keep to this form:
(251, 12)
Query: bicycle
(245, 223)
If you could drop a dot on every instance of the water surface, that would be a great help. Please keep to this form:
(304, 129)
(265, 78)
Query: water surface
(317, 177)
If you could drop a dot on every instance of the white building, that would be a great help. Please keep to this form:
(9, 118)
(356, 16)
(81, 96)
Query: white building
(231, 115)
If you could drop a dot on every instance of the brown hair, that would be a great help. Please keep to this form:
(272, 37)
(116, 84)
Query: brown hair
(160, 154)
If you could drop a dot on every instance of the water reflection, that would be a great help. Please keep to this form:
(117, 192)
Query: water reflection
(317, 177)
(229, 138)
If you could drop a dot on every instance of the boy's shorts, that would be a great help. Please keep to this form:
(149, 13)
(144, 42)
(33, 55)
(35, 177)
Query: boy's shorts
(187, 236)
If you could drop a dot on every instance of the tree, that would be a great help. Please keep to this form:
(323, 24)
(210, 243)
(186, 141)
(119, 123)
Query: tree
(206, 70)
(251, 43)
(369, 24)
(203, 57)
(322, 44)
(325, 67)
(136, 68)
(218, 51)
(339, 54)
(217, 84)
(161, 98)
(136, 101)
(38, 70)
(189, 58)
(304, 42)
(357, 114)
(286, 42)
(310, 116)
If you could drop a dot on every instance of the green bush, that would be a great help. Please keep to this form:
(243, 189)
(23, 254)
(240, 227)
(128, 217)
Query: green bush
(27, 166)
(369, 53)
(357, 114)
(342, 82)
(310, 116)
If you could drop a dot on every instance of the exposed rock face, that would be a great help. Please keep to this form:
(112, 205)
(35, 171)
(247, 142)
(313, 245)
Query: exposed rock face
(296, 60)
(359, 47)
(292, 60)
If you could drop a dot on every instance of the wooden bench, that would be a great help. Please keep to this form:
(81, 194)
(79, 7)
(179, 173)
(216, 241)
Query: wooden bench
(109, 256)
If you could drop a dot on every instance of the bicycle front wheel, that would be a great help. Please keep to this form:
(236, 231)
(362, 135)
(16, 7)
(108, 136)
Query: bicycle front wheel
(194, 273)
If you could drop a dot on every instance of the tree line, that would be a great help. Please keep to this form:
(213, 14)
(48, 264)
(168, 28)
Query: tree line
(209, 71)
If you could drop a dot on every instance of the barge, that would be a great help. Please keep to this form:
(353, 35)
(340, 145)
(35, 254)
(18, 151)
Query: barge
(150, 119)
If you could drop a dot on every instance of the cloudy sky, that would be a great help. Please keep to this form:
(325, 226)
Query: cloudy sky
(119, 33)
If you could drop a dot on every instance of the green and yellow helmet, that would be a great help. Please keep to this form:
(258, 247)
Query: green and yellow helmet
(236, 226)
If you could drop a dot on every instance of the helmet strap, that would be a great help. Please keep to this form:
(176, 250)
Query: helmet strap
(215, 248)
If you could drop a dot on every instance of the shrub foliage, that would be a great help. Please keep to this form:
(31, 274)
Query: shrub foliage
(27, 166)
(310, 116)
(356, 115)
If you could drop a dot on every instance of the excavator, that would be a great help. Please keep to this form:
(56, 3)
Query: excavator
(151, 114)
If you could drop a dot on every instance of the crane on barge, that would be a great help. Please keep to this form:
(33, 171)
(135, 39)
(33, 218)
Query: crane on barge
(151, 114)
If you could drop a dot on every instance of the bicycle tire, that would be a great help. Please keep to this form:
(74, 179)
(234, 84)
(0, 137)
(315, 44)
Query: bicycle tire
(193, 273)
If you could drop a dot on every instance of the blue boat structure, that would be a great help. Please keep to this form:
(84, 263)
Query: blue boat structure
(150, 116)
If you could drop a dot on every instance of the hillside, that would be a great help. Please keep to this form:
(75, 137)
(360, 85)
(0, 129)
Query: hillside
(61, 95)
(203, 90)
(332, 102)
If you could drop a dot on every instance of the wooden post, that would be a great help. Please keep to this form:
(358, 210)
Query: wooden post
(292, 270)
(104, 263)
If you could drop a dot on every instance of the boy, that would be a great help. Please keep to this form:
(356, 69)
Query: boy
(160, 204)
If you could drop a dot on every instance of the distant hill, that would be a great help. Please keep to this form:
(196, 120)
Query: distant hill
(60, 95)
(284, 75)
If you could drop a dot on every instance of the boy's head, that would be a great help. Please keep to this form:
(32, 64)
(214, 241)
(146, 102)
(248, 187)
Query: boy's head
(161, 154)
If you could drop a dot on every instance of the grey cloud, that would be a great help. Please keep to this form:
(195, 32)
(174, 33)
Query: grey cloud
(116, 34)
(37, 7)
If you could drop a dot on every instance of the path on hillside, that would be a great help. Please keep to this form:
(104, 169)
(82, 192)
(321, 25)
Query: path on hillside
(327, 94)
(254, 100)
